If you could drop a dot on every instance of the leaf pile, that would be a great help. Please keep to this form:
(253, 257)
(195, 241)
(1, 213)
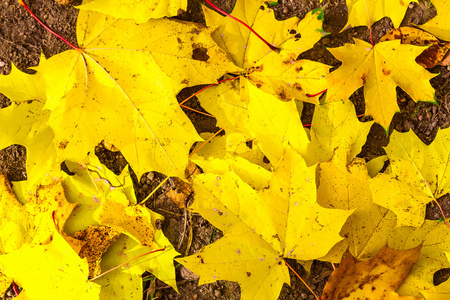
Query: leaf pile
(275, 189)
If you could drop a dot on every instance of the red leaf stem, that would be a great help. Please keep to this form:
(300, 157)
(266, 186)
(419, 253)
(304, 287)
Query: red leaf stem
(272, 47)
(48, 28)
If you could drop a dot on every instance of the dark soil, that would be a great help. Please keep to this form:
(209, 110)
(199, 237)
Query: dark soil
(23, 40)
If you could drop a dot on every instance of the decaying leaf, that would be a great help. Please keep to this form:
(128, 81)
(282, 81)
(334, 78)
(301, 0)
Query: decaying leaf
(380, 69)
(410, 35)
(378, 277)
(97, 240)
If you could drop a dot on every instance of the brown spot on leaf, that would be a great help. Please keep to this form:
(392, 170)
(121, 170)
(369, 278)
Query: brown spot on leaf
(364, 78)
(200, 54)
(297, 86)
(298, 69)
(63, 145)
(386, 72)
(298, 35)
(249, 274)
(292, 31)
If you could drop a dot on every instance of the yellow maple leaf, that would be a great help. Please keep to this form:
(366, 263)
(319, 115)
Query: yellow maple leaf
(420, 174)
(439, 25)
(261, 228)
(108, 200)
(52, 271)
(367, 12)
(275, 73)
(335, 127)
(380, 69)
(378, 277)
(138, 11)
(121, 88)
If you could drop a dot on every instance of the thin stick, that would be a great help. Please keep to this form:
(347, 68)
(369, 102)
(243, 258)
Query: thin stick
(272, 47)
(206, 87)
(442, 212)
(197, 111)
(156, 188)
(301, 279)
(115, 268)
(48, 28)
(205, 142)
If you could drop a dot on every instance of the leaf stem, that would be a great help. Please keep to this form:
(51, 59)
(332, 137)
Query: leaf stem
(442, 212)
(285, 261)
(15, 288)
(154, 190)
(206, 87)
(370, 25)
(272, 47)
(115, 268)
(48, 28)
(316, 94)
(205, 142)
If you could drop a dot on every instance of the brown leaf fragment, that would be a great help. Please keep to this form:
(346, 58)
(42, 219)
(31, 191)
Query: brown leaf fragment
(181, 192)
(97, 241)
(414, 36)
(376, 278)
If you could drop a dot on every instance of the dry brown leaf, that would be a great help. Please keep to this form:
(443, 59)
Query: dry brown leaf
(376, 278)
(97, 241)
(409, 35)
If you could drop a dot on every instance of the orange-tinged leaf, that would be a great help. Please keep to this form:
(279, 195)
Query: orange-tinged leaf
(380, 69)
(435, 240)
(97, 240)
(61, 272)
(414, 36)
(379, 277)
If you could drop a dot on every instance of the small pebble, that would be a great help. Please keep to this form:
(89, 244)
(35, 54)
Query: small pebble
(304, 296)
(2, 64)
(312, 297)
(217, 293)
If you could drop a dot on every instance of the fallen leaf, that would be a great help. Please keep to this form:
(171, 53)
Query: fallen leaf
(410, 35)
(61, 272)
(378, 277)
(439, 25)
(420, 174)
(380, 69)
(138, 11)
(367, 12)
(280, 74)
(109, 87)
(252, 251)
(97, 240)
